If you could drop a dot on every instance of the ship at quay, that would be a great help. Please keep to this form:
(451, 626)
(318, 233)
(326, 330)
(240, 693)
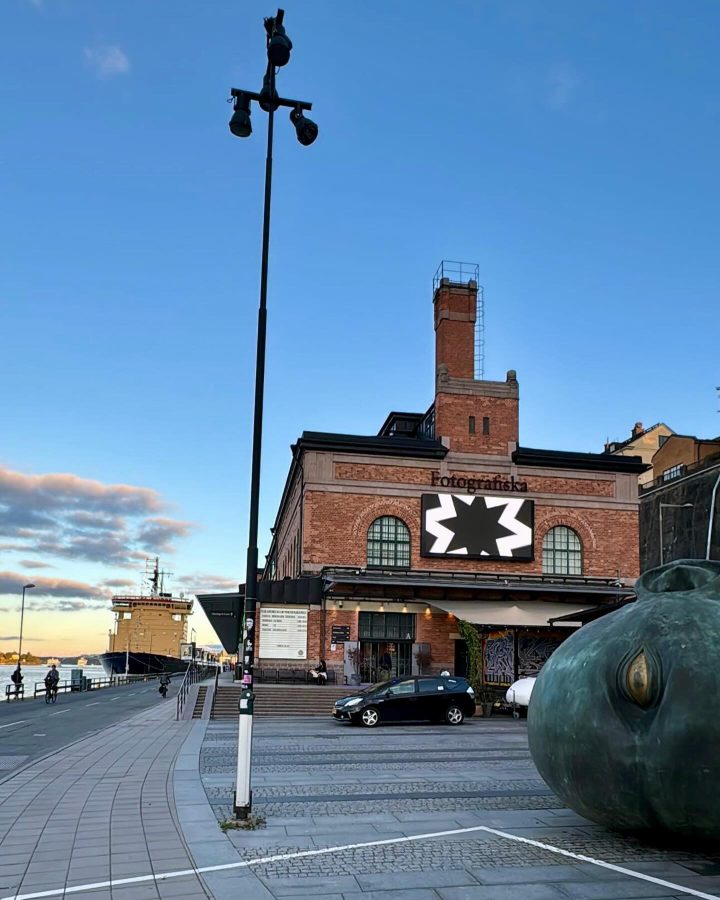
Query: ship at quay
(150, 633)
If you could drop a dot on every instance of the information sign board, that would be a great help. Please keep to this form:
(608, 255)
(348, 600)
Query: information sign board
(283, 633)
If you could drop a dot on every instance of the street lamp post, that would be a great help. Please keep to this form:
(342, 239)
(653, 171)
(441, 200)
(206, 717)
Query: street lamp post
(278, 52)
(26, 587)
(660, 522)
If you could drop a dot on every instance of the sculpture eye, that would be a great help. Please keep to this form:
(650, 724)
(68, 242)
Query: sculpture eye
(642, 679)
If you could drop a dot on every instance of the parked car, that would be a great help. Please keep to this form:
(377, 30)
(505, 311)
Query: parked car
(437, 698)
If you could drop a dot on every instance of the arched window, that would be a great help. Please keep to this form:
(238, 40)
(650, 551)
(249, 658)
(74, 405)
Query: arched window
(562, 552)
(388, 543)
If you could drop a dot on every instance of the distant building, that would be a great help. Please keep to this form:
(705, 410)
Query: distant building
(676, 504)
(643, 442)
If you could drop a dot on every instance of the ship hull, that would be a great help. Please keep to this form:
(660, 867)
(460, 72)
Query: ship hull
(141, 663)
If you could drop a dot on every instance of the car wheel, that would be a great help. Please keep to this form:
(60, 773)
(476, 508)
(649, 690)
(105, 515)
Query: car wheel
(370, 717)
(454, 715)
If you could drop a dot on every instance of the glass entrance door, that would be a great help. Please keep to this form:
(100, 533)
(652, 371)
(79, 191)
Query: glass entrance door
(382, 660)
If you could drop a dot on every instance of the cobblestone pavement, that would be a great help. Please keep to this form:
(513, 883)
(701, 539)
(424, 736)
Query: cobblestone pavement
(322, 784)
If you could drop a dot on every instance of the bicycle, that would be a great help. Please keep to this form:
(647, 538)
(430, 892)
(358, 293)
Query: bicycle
(51, 693)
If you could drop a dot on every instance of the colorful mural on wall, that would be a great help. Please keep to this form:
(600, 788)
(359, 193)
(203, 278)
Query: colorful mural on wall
(534, 649)
(499, 658)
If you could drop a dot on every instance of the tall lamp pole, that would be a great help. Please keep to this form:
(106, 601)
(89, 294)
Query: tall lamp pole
(279, 46)
(26, 587)
(660, 522)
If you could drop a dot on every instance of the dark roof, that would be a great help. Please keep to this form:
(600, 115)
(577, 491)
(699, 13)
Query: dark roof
(618, 445)
(569, 459)
(348, 580)
(394, 416)
(385, 446)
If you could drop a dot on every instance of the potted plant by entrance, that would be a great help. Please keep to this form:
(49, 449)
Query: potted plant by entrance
(423, 658)
(486, 700)
(354, 654)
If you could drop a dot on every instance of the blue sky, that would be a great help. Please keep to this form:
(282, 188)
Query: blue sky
(570, 149)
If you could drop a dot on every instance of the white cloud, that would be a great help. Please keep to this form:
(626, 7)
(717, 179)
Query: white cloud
(107, 60)
(563, 82)
(68, 516)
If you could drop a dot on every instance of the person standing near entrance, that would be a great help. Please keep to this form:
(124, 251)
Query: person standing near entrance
(385, 666)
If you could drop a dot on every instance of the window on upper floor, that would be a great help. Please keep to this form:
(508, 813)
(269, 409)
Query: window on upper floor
(562, 552)
(673, 472)
(388, 543)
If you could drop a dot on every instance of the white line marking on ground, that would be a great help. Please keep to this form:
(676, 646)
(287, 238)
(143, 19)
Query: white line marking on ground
(96, 703)
(323, 851)
(40, 735)
(10, 724)
(59, 712)
(113, 699)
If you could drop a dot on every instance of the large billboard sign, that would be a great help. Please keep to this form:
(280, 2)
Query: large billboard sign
(474, 526)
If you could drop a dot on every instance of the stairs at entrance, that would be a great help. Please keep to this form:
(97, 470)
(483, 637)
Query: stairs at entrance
(199, 702)
(281, 700)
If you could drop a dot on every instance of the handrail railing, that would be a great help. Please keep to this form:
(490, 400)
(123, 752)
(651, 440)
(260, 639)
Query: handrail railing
(215, 692)
(83, 684)
(193, 674)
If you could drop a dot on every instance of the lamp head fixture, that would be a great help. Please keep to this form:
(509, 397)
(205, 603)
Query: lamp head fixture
(279, 44)
(268, 95)
(306, 129)
(240, 123)
(28, 586)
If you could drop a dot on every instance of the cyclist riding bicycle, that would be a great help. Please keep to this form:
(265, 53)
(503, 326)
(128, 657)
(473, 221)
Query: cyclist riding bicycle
(164, 683)
(51, 682)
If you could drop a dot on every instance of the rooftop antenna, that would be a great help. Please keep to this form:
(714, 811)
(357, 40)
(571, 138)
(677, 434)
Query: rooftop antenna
(163, 573)
(152, 574)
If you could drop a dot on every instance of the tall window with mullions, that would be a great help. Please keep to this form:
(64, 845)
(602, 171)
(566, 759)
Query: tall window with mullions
(388, 543)
(562, 552)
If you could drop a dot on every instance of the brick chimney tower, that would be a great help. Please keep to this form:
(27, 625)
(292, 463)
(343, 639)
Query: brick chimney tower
(472, 416)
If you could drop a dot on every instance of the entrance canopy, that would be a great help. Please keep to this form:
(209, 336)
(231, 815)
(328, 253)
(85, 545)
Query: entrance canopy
(508, 612)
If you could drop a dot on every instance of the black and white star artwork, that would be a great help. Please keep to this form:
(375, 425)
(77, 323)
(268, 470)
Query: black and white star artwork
(472, 526)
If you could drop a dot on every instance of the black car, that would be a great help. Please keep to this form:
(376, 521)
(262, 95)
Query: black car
(437, 698)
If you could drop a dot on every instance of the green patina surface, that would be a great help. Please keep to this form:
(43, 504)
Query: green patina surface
(624, 720)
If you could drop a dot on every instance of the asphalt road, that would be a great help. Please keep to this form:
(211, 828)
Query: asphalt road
(32, 728)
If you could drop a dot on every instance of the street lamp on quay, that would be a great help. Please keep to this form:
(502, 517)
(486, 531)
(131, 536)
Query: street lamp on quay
(26, 587)
(660, 522)
(279, 46)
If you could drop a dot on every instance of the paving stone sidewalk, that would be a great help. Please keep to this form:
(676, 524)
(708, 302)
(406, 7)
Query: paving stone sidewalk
(101, 809)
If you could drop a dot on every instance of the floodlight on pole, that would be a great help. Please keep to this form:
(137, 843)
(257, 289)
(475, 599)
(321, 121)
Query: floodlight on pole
(305, 128)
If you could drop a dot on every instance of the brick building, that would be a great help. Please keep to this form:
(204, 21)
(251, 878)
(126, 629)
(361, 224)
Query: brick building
(444, 515)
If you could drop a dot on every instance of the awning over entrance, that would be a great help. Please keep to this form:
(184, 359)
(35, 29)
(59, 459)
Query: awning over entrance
(224, 612)
(489, 612)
